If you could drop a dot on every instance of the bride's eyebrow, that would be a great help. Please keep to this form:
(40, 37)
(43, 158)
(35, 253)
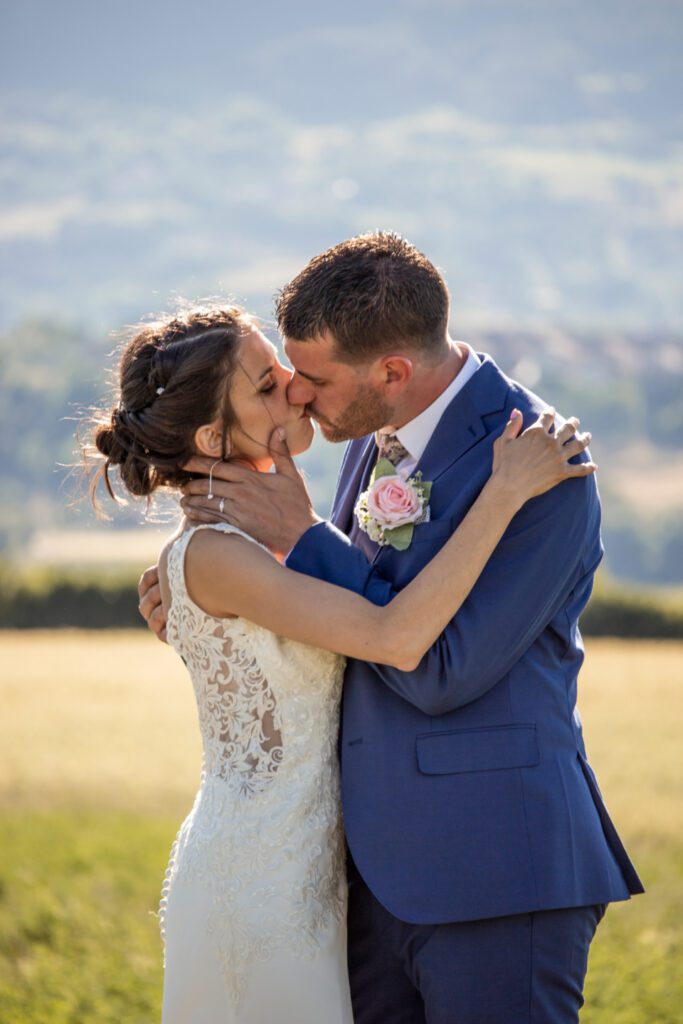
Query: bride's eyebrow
(255, 383)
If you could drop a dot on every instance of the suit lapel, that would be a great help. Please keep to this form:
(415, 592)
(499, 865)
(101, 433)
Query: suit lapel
(342, 484)
(460, 428)
(355, 472)
(462, 424)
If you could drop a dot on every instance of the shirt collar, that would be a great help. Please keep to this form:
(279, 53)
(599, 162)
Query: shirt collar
(415, 435)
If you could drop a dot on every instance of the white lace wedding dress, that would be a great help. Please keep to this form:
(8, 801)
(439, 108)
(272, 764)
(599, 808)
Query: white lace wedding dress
(254, 902)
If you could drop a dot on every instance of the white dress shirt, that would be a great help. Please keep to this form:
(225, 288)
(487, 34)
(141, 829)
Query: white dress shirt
(415, 435)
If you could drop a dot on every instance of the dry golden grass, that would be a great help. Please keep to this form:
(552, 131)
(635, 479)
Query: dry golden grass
(94, 719)
(99, 758)
(108, 720)
(631, 702)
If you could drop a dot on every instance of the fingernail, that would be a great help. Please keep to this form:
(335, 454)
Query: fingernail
(281, 433)
(515, 414)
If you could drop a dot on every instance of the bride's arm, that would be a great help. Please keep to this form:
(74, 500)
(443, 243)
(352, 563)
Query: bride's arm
(232, 576)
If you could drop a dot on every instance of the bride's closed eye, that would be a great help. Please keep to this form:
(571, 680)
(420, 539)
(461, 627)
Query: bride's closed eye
(267, 390)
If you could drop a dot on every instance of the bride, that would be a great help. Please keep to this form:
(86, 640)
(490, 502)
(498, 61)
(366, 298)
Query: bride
(253, 907)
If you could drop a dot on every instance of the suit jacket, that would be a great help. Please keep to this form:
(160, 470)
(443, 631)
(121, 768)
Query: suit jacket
(466, 789)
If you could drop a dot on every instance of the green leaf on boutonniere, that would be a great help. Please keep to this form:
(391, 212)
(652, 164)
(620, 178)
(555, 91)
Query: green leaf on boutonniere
(426, 488)
(383, 468)
(400, 537)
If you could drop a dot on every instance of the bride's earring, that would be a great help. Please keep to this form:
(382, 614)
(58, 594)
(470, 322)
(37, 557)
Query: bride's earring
(210, 494)
(226, 454)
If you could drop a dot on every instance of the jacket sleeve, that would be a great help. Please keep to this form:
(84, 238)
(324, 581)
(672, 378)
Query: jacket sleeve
(551, 545)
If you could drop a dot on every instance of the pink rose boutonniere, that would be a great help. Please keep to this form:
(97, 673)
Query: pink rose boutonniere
(391, 507)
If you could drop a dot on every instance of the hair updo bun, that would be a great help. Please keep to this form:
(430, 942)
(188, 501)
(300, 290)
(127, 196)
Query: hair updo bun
(107, 445)
(109, 439)
(173, 377)
(117, 444)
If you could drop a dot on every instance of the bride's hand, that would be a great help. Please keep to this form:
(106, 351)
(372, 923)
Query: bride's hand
(528, 464)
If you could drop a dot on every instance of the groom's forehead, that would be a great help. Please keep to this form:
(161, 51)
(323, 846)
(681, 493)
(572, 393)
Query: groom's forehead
(312, 358)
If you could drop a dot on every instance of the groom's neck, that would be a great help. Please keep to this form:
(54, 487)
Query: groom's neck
(428, 383)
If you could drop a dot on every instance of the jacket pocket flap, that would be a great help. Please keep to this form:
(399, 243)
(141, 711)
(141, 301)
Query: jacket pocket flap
(477, 750)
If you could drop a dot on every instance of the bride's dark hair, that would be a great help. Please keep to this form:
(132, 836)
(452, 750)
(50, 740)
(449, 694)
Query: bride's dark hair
(173, 377)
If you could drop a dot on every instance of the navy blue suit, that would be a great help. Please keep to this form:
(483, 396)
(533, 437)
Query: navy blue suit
(467, 794)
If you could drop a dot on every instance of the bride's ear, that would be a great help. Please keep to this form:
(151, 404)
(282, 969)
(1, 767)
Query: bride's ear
(208, 440)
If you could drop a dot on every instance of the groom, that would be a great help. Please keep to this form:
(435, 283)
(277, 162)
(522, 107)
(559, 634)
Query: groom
(481, 853)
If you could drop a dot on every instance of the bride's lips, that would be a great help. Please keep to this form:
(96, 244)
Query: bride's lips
(304, 417)
(313, 415)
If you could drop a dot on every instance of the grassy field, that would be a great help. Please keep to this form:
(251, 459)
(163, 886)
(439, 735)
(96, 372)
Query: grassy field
(99, 760)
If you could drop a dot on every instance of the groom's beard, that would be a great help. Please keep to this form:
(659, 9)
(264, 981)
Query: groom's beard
(364, 415)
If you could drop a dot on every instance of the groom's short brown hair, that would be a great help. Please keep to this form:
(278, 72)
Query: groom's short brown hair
(371, 293)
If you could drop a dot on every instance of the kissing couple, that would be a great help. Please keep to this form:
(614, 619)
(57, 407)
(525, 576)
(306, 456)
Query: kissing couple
(438, 607)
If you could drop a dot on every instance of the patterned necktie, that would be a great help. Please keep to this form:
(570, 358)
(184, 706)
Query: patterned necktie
(391, 448)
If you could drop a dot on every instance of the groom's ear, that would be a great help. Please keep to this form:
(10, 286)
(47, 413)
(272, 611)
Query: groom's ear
(395, 372)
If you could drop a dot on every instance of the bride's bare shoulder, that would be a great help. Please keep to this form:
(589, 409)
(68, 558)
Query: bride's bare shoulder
(162, 560)
(218, 564)
(162, 569)
(206, 546)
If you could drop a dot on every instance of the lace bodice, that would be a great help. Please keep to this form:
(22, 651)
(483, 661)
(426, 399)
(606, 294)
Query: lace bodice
(265, 830)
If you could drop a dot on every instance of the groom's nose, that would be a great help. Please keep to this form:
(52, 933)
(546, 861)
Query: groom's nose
(300, 391)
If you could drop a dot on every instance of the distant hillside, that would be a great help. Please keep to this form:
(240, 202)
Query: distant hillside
(532, 149)
(626, 388)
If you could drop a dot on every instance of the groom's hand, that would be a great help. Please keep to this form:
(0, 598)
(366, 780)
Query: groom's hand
(150, 606)
(274, 508)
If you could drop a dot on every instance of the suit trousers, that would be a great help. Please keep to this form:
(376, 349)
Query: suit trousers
(521, 969)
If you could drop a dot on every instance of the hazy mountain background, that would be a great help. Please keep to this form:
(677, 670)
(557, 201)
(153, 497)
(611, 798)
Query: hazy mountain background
(533, 149)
